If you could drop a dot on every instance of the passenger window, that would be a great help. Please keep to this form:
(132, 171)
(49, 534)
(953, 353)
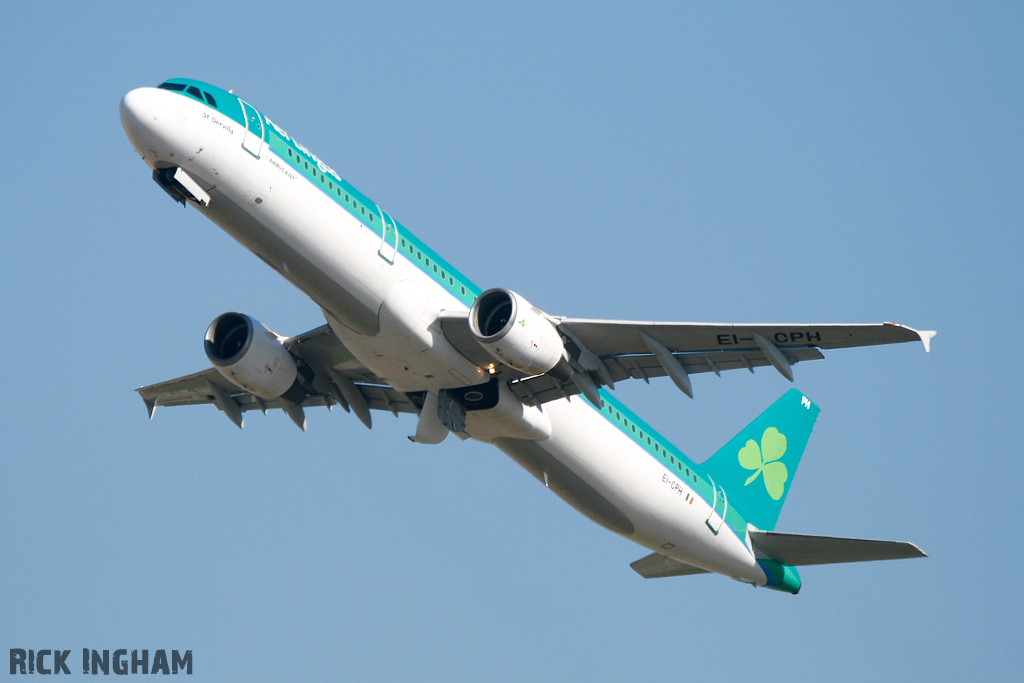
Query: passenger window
(363, 209)
(209, 98)
(371, 217)
(290, 152)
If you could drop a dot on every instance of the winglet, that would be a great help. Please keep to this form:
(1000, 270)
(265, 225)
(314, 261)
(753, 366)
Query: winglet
(924, 335)
(926, 339)
(150, 405)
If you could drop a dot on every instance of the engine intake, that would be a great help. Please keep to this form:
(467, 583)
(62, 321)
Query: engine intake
(250, 356)
(514, 332)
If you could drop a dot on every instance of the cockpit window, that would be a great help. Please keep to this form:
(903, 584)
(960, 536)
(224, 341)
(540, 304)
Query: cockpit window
(191, 90)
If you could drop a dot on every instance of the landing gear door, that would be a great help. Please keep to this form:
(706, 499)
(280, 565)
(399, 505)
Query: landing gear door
(255, 129)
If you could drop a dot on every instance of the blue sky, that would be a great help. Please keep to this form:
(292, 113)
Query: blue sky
(805, 162)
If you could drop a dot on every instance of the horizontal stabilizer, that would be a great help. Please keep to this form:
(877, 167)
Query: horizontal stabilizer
(798, 550)
(657, 566)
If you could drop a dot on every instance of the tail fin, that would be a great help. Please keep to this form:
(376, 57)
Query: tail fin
(756, 468)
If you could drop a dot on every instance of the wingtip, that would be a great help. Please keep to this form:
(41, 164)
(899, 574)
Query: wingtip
(926, 339)
(924, 335)
(920, 553)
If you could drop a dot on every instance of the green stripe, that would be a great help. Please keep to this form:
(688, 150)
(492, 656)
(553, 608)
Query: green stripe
(361, 207)
(367, 212)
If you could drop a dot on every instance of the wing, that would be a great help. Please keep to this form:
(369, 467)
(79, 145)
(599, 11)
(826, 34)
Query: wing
(603, 352)
(616, 337)
(337, 377)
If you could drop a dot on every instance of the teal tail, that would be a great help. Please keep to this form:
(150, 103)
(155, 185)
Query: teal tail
(756, 468)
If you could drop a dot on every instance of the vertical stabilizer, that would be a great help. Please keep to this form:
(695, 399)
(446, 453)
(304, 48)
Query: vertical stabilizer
(757, 466)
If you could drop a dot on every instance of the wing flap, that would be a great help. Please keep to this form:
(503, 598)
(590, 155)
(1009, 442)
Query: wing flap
(799, 550)
(543, 388)
(658, 566)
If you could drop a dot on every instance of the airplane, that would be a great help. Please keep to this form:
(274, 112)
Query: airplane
(406, 332)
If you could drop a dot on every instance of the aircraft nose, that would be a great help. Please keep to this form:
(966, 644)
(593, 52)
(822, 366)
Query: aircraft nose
(141, 113)
(137, 111)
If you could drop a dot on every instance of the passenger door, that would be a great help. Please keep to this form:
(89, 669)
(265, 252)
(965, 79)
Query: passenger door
(389, 238)
(715, 519)
(255, 129)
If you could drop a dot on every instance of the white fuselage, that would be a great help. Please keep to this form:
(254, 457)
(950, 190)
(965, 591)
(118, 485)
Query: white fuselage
(384, 308)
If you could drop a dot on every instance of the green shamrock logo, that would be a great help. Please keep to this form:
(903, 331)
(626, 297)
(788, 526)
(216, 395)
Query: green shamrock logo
(764, 460)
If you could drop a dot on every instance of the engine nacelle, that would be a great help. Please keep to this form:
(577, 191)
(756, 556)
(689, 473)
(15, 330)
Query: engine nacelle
(250, 356)
(514, 332)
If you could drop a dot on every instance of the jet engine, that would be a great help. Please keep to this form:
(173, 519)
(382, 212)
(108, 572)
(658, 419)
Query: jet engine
(250, 356)
(516, 333)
